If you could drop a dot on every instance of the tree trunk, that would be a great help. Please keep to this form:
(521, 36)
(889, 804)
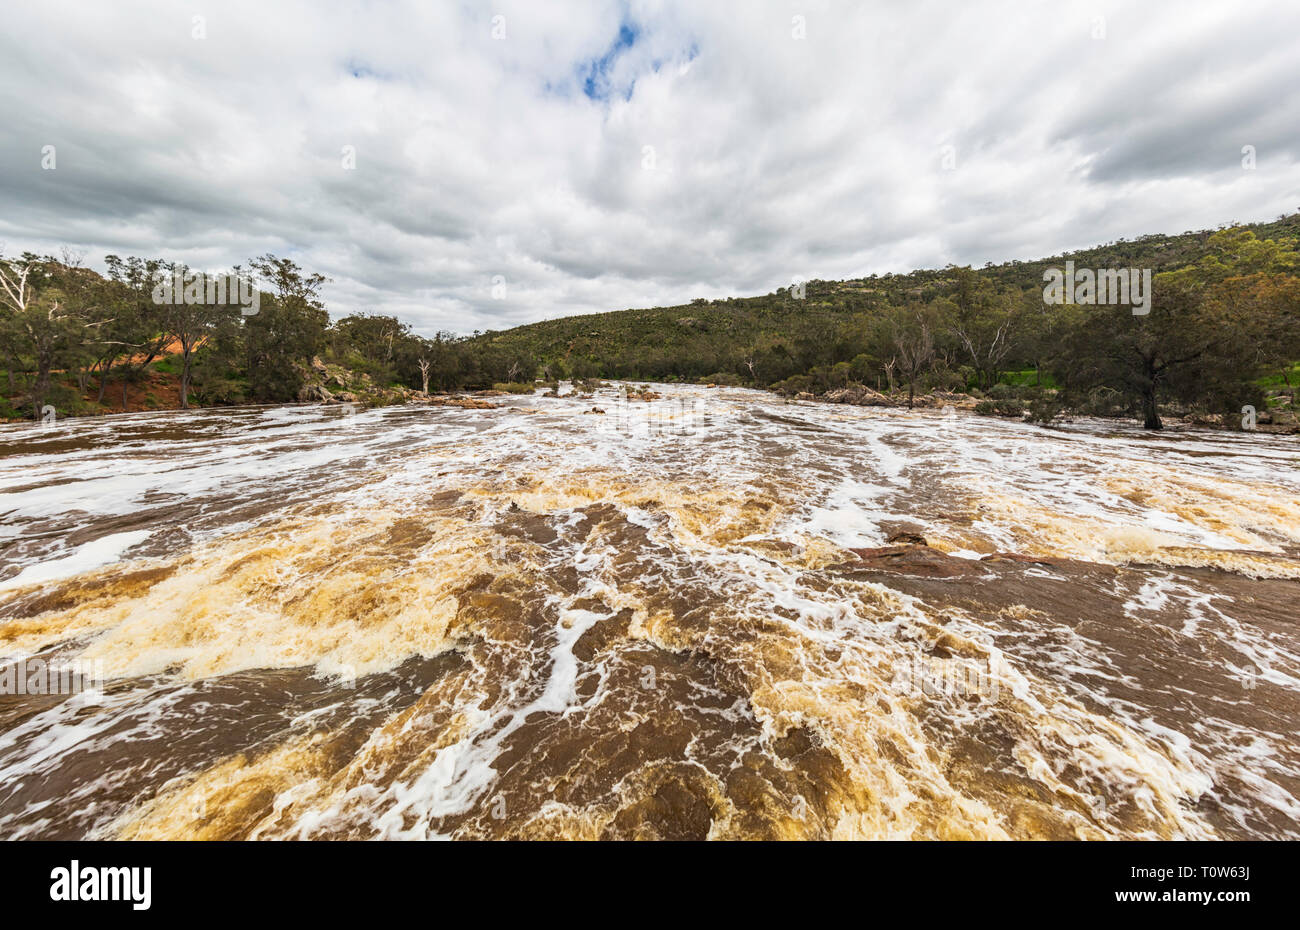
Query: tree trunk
(187, 363)
(1151, 410)
(41, 386)
(103, 381)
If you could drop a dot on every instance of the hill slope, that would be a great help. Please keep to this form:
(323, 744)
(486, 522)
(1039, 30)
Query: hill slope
(723, 337)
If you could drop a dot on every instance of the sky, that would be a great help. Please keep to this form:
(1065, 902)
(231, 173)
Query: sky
(474, 166)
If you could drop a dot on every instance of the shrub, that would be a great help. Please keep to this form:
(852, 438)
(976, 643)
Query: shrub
(1000, 408)
(1044, 408)
(219, 391)
(793, 385)
(1104, 402)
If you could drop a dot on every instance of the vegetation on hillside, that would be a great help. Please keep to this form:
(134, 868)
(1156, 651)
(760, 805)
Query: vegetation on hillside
(1223, 331)
(78, 342)
(1225, 319)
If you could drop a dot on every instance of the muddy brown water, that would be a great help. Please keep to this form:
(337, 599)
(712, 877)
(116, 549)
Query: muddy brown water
(712, 615)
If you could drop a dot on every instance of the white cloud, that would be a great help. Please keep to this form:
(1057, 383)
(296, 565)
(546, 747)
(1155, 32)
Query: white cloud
(772, 157)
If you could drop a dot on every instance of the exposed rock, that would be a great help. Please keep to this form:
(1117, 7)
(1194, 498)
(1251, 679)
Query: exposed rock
(903, 531)
(912, 560)
(859, 395)
(315, 392)
(317, 365)
(1283, 417)
(1020, 557)
(954, 399)
(907, 539)
(922, 561)
(642, 393)
(469, 403)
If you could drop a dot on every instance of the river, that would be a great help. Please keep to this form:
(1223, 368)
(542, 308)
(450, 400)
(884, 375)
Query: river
(706, 615)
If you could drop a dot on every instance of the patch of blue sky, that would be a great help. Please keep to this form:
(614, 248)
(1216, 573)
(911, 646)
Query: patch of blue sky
(601, 78)
(361, 70)
(596, 73)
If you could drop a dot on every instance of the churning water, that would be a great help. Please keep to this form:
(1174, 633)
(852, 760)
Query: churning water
(707, 615)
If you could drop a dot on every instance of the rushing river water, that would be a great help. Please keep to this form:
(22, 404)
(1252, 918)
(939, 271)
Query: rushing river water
(708, 615)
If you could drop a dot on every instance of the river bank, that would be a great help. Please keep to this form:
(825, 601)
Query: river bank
(332, 384)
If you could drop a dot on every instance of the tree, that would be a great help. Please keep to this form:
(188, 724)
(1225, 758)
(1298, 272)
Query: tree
(18, 277)
(984, 322)
(51, 312)
(141, 328)
(287, 332)
(911, 334)
(1206, 338)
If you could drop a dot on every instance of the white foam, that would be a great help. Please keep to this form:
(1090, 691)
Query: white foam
(89, 556)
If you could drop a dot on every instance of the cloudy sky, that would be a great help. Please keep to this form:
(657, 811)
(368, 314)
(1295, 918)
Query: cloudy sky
(478, 165)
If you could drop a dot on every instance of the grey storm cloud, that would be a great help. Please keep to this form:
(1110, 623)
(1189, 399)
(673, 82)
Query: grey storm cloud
(598, 156)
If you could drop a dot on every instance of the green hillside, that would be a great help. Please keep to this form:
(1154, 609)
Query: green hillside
(784, 336)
